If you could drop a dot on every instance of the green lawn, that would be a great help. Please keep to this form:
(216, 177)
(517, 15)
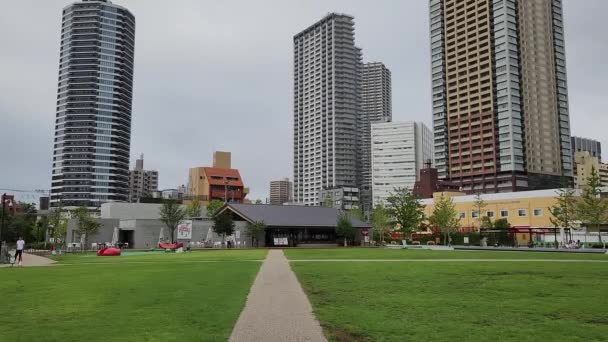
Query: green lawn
(457, 301)
(155, 257)
(382, 253)
(159, 298)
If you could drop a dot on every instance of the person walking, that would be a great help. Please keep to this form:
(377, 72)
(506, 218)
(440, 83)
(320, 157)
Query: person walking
(19, 251)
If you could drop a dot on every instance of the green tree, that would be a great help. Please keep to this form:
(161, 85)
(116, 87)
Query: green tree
(563, 213)
(193, 209)
(486, 223)
(357, 213)
(406, 210)
(344, 228)
(171, 214)
(327, 201)
(87, 225)
(223, 225)
(255, 229)
(258, 201)
(58, 225)
(380, 221)
(445, 217)
(213, 207)
(592, 210)
(41, 228)
(502, 223)
(479, 204)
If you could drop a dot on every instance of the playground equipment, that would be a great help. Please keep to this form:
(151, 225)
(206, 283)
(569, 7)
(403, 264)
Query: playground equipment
(165, 245)
(110, 251)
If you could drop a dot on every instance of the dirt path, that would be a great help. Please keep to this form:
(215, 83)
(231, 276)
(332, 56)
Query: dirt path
(277, 308)
(32, 260)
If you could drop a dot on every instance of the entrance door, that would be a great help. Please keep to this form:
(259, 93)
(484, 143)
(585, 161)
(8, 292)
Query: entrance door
(126, 237)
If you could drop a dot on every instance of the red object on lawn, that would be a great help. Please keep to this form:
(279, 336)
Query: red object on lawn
(108, 252)
(164, 245)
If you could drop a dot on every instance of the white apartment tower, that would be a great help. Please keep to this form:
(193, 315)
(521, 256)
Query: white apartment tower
(399, 151)
(327, 73)
(376, 107)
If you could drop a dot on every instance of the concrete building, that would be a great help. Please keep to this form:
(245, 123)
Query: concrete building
(343, 198)
(594, 147)
(376, 107)
(216, 183)
(399, 151)
(281, 191)
(499, 88)
(584, 164)
(93, 122)
(327, 75)
(142, 183)
(139, 225)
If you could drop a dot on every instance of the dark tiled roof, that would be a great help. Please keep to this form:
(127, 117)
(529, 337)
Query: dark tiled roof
(291, 215)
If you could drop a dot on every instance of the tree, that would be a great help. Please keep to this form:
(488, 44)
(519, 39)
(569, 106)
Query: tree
(445, 217)
(502, 223)
(486, 223)
(255, 229)
(405, 209)
(563, 213)
(213, 207)
(87, 226)
(258, 201)
(479, 204)
(344, 228)
(380, 220)
(171, 214)
(41, 228)
(357, 213)
(223, 225)
(592, 210)
(58, 225)
(193, 209)
(327, 201)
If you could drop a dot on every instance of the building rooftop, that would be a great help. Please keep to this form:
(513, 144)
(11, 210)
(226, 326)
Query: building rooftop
(503, 196)
(290, 215)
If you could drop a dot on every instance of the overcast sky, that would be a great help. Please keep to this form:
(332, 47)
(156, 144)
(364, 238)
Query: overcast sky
(217, 75)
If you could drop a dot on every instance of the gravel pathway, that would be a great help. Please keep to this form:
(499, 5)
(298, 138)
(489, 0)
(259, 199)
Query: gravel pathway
(32, 260)
(277, 308)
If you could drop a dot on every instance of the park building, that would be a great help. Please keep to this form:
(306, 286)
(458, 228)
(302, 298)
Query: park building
(138, 225)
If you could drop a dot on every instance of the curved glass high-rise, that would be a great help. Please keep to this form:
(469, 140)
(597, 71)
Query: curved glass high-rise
(95, 89)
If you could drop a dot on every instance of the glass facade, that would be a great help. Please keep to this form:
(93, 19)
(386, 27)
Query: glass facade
(93, 121)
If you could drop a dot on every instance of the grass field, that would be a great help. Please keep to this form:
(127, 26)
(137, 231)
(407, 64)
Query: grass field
(381, 253)
(157, 298)
(447, 301)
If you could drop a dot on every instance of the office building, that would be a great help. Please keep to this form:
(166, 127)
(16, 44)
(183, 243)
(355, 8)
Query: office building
(327, 74)
(218, 182)
(399, 151)
(594, 147)
(281, 191)
(499, 89)
(142, 183)
(343, 198)
(93, 120)
(376, 107)
(584, 163)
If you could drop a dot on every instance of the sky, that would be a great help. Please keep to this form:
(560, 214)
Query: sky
(217, 75)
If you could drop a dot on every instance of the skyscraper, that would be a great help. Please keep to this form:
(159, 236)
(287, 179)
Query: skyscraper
(500, 102)
(327, 74)
(399, 151)
(93, 122)
(280, 191)
(594, 147)
(142, 183)
(376, 107)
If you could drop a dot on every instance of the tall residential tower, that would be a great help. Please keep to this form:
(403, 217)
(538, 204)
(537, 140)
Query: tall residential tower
(376, 107)
(500, 101)
(327, 73)
(93, 121)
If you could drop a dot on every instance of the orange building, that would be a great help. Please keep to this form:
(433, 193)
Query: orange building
(216, 183)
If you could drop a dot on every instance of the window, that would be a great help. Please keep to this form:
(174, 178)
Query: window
(490, 214)
(462, 214)
(538, 212)
(522, 212)
(474, 214)
(504, 213)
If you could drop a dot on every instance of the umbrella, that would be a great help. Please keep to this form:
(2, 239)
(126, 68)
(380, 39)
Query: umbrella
(82, 237)
(115, 236)
(161, 236)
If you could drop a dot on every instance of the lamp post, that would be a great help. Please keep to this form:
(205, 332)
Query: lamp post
(225, 190)
(3, 214)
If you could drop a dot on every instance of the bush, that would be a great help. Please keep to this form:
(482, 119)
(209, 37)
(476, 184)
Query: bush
(38, 245)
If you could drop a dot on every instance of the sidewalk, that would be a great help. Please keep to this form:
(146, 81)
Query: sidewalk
(277, 308)
(31, 260)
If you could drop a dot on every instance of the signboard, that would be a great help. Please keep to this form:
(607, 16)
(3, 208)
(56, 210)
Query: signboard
(184, 230)
(466, 240)
(280, 242)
